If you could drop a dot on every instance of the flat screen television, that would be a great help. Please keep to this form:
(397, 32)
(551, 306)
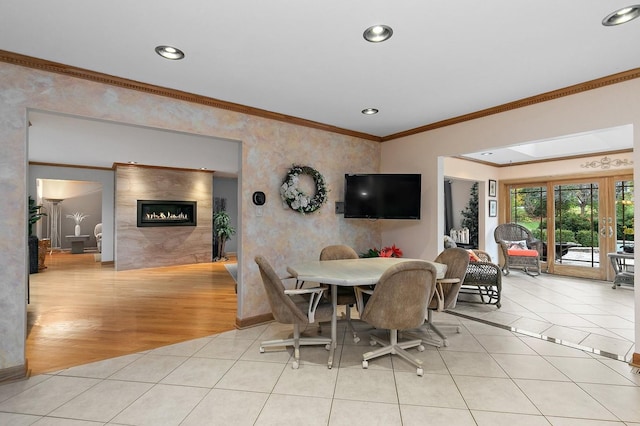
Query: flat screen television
(382, 196)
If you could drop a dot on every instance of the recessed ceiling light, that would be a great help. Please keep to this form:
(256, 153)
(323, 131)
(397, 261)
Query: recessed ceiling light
(377, 33)
(132, 162)
(487, 153)
(169, 52)
(621, 16)
(369, 111)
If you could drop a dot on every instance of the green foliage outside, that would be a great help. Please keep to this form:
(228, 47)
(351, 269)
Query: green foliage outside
(587, 238)
(576, 207)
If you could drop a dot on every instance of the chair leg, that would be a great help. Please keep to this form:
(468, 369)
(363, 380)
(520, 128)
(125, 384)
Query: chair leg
(395, 348)
(296, 341)
(436, 330)
(296, 346)
(420, 335)
(356, 339)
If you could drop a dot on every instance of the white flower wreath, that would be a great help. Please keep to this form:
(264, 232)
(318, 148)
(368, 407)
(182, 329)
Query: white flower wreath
(298, 200)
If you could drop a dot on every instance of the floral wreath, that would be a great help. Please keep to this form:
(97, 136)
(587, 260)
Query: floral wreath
(298, 200)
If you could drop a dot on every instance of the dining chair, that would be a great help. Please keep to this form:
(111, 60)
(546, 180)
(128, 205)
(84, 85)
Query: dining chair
(398, 302)
(346, 295)
(290, 307)
(448, 288)
(445, 295)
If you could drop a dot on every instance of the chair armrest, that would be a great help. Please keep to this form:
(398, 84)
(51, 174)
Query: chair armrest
(359, 299)
(314, 300)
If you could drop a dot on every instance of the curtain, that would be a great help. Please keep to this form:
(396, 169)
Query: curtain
(448, 207)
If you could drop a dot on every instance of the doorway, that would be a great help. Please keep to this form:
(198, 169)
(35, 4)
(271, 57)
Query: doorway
(579, 219)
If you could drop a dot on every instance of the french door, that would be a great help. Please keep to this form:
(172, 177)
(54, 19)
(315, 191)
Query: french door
(579, 220)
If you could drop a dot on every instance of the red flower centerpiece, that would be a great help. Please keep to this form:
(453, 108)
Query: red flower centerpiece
(391, 251)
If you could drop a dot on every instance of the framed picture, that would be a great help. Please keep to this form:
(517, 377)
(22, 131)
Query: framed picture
(492, 188)
(493, 208)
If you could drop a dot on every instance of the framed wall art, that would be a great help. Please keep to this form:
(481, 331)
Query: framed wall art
(492, 188)
(493, 208)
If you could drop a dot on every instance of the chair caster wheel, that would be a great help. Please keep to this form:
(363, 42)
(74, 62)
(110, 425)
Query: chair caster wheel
(458, 329)
(421, 348)
(420, 372)
(295, 365)
(445, 343)
(328, 346)
(356, 339)
(365, 364)
(261, 350)
(372, 343)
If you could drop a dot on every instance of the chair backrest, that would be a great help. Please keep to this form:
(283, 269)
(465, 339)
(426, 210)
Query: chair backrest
(338, 252)
(511, 232)
(457, 261)
(400, 297)
(284, 310)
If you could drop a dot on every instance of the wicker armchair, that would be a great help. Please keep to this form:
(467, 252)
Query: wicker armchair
(483, 278)
(528, 249)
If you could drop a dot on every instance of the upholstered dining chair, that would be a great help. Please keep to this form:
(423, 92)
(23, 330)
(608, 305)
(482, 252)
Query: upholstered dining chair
(346, 295)
(520, 249)
(398, 302)
(289, 307)
(447, 289)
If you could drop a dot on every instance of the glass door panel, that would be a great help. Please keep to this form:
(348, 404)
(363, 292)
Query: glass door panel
(576, 235)
(580, 224)
(624, 215)
(528, 207)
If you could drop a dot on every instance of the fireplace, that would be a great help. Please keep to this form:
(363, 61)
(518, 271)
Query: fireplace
(166, 213)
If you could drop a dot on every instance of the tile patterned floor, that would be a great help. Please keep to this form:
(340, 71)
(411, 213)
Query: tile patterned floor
(488, 375)
(587, 313)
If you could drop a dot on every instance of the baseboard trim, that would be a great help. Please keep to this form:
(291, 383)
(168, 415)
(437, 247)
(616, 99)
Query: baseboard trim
(14, 373)
(107, 262)
(253, 321)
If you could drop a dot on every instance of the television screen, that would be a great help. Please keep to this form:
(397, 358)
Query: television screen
(382, 196)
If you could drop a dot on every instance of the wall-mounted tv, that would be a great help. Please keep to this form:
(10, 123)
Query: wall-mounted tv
(382, 196)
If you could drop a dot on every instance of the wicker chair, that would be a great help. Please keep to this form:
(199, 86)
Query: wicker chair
(526, 256)
(483, 278)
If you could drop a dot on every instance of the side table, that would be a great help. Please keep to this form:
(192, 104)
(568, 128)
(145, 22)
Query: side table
(77, 243)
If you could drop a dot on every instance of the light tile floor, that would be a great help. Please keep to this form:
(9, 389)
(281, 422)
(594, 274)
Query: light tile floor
(486, 376)
(586, 313)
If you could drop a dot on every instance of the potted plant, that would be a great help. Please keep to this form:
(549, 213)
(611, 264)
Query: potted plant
(35, 214)
(223, 232)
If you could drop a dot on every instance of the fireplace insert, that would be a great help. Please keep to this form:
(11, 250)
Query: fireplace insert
(166, 213)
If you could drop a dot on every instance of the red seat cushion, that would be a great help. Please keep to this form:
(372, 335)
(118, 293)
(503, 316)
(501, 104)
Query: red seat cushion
(520, 252)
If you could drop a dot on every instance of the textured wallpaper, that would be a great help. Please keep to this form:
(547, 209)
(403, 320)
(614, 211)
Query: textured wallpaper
(269, 148)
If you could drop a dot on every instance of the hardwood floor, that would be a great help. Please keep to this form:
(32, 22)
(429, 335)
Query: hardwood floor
(82, 311)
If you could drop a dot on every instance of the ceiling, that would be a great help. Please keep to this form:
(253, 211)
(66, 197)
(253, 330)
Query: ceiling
(309, 60)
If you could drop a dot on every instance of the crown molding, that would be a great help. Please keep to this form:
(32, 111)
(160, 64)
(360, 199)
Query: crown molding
(54, 67)
(58, 68)
(544, 97)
